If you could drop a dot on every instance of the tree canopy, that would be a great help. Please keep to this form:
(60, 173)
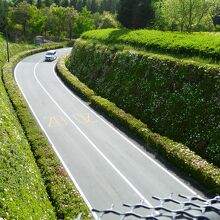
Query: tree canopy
(135, 13)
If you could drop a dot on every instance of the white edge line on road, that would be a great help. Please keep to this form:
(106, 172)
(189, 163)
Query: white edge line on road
(91, 142)
(54, 148)
(125, 138)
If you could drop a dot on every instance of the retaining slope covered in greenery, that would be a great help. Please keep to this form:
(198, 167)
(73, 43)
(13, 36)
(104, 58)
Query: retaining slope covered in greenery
(177, 99)
(22, 190)
(177, 153)
(65, 198)
(189, 44)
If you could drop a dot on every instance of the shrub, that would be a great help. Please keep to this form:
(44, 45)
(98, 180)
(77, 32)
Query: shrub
(22, 191)
(194, 44)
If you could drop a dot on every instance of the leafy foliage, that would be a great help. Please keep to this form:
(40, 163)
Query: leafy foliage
(3, 14)
(135, 13)
(195, 44)
(26, 21)
(83, 23)
(184, 15)
(63, 195)
(14, 49)
(186, 160)
(22, 191)
(106, 20)
(174, 98)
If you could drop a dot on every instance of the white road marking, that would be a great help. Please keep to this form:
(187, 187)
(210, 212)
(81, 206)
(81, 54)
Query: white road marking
(125, 138)
(54, 147)
(107, 123)
(89, 140)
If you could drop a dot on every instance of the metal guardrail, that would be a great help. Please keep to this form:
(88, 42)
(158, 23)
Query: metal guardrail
(189, 207)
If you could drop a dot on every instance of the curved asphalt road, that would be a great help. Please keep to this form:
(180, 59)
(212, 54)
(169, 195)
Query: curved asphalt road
(106, 165)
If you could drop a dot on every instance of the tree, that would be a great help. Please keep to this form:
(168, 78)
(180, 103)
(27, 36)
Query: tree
(94, 6)
(22, 14)
(55, 21)
(135, 13)
(37, 22)
(64, 3)
(183, 15)
(79, 5)
(84, 3)
(57, 2)
(47, 3)
(84, 22)
(3, 15)
(30, 2)
(70, 16)
(73, 3)
(125, 12)
(105, 20)
(39, 3)
(88, 4)
(215, 12)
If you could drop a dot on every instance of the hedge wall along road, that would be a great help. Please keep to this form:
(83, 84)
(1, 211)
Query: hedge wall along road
(22, 191)
(65, 198)
(180, 156)
(176, 99)
(204, 45)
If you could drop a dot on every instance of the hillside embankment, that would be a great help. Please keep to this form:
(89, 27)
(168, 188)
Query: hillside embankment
(176, 97)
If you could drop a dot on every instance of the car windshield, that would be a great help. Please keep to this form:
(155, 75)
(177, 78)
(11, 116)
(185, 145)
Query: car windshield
(50, 53)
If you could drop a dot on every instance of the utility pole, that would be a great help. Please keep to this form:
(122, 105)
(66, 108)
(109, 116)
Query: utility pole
(7, 45)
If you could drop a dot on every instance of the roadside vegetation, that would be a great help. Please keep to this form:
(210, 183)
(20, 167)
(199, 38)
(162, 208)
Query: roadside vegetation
(173, 97)
(22, 190)
(59, 19)
(182, 45)
(23, 20)
(176, 153)
(14, 49)
(166, 79)
(23, 184)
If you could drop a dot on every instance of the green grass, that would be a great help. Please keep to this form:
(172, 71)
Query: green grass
(199, 46)
(22, 191)
(13, 48)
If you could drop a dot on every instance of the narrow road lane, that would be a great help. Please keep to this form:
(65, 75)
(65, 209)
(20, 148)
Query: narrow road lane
(105, 164)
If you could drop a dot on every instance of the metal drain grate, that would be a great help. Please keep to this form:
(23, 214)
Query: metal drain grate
(187, 207)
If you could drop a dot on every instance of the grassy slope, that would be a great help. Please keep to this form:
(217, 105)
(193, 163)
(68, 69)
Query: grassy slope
(176, 98)
(203, 45)
(180, 156)
(14, 49)
(22, 192)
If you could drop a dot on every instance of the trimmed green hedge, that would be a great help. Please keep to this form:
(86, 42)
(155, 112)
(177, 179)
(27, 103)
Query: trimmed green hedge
(65, 198)
(22, 191)
(181, 156)
(204, 45)
(175, 98)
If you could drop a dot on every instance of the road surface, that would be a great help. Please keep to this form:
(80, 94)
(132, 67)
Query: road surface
(106, 165)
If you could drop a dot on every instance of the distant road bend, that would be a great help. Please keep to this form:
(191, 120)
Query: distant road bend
(105, 164)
